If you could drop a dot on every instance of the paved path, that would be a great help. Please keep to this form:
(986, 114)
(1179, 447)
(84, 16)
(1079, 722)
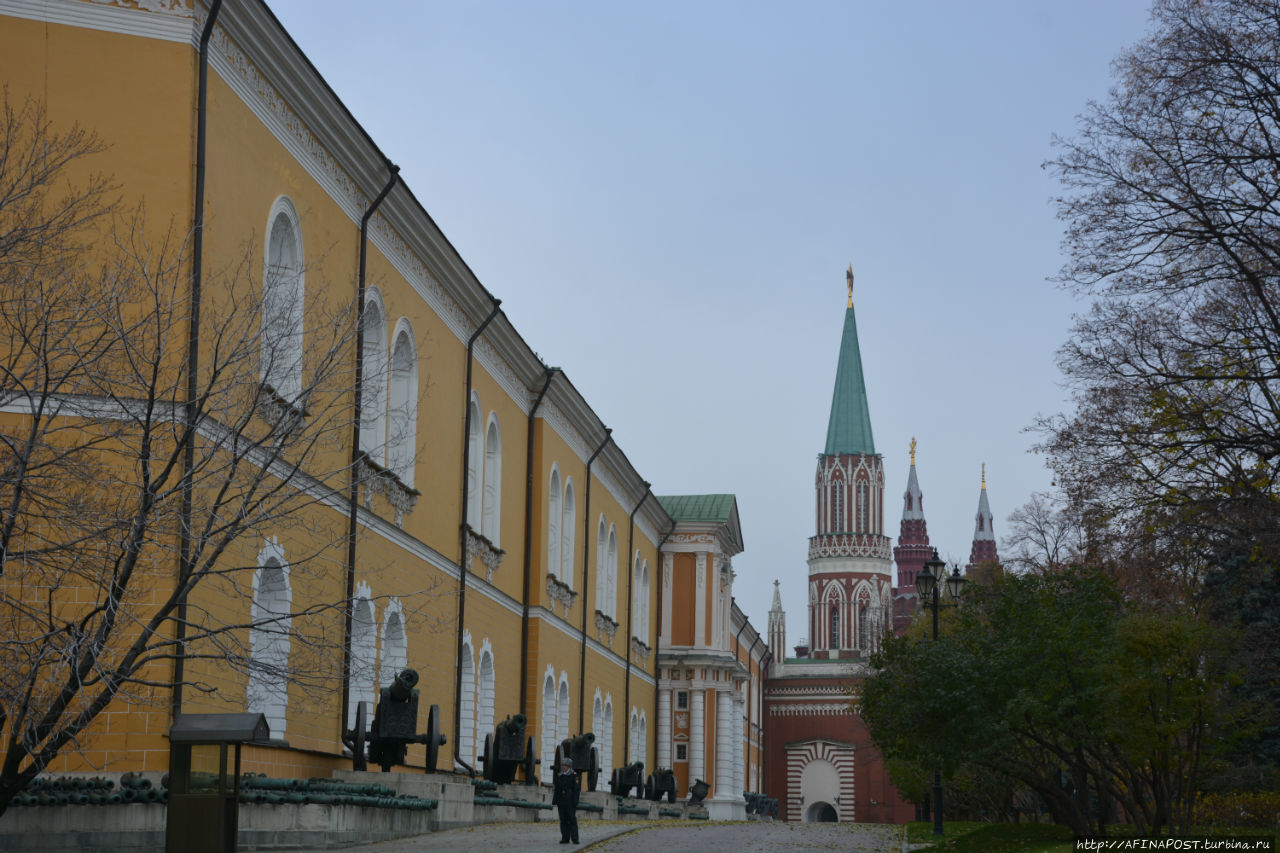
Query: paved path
(646, 837)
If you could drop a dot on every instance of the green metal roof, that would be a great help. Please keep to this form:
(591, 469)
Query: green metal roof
(849, 429)
(706, 508)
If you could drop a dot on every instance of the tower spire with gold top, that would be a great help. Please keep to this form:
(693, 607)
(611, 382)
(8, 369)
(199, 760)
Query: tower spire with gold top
(849, 278)
(849, 428)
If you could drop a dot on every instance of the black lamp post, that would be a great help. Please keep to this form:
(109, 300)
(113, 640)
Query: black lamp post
(928, 587)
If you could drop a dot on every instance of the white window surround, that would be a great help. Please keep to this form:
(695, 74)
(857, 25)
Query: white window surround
(562, 708)
(395, 644)
(364, 655)
(467, 711)
(547, 724)
(568, 535)
(491, 510)
(611, 575)
(554, 495)
(375, 371)
(268, 684)
(402, 410)
(485, 698)
(475, 460)
(283, 292)
(602, 532)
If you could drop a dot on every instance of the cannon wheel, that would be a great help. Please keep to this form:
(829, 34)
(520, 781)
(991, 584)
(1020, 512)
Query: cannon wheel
(555, 768)
(613, 782)
(671, 794)
(593, 774)
(490, 762)
(530, 763)
(359, 750)
(434, 738)
(648, 788)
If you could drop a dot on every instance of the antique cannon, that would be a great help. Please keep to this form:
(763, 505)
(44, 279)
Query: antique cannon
(506, 749)
(661, 781)
(395, 724)
(698, 792)
(582, 752)
(624, 779)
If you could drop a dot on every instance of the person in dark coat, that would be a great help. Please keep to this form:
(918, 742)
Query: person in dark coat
(565, 798)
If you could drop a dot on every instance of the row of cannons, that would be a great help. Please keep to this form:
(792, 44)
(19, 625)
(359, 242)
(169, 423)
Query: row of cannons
(507, 749)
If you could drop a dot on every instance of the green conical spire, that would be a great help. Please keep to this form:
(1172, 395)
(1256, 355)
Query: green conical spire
(849, 429)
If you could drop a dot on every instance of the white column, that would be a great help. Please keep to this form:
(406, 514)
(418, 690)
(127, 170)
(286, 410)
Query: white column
(663, 756)
(697, 735)
(665, 640)
(700, 601)
(724, 745)
(739, 746)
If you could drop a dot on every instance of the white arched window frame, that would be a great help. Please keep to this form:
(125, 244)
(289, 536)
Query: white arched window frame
(568, 535)
(637, 600)
(562, 708)
(611, 575)
(402, 411)
(363, 674)
(268, 688)
(646, 597)
(862, 507)
(644, 739)
(373, 379)
(485, 698)
(475, 461)
(597, 728)
(283, 290)
(395, 644)
(837, 506)
(467, 704)
(602, 543)
(554, 495)
(633, 737)
(547, 724)
(492, 509)
(833, 627)
(606, 751)
(864, 620)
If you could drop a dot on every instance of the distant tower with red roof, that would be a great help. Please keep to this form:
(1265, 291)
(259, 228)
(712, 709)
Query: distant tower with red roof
(983, 551)
(912, 550)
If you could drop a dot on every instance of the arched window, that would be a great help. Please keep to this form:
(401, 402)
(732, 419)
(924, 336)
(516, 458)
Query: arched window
(268, 688)
(862, 506)
(637, 602)
(597, 727)
(467, 705)
(554, 493)
(373, 397)
(611, 575)
(485, 700)
(492, 511)
(606, 751)
(644, 738)
(475, 460)
(602, 564)
(835, 626)
(547, 726)
(633, 737)
(364, 656)
(837, 507)
(569, 533)
(864, 627)
(645, 598)
(395, 646)
(403, 420)
(562, 708)
(282, 295)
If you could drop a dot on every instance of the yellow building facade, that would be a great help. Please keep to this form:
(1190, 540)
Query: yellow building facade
(464, 511)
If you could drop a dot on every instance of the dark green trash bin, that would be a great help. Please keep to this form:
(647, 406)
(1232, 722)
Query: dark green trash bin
(204, 780)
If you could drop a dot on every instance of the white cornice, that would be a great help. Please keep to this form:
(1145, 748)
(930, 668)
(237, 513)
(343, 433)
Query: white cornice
(165, 20)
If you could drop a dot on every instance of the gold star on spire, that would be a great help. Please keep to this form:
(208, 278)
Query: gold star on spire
(849, 278)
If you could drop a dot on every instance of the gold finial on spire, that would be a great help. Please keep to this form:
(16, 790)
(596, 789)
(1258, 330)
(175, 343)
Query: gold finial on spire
(913, 450)
(849, 278)
(984, 476)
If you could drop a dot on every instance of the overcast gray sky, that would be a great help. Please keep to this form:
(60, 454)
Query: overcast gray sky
(665, 195)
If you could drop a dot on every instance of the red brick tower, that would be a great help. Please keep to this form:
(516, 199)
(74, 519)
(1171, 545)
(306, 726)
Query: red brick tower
(984, 536)
(911, 551)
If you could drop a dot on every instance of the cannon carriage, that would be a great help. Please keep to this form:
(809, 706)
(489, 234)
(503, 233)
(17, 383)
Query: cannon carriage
(507, 748)
(661, 781)
(623, 779)
(585, 757)
(395, 724)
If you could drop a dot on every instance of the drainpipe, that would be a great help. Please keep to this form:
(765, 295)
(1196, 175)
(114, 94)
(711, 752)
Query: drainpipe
(586, 584)
(746, 773)
(193, 361)
(631, 579)
(463, 562)
(357, 454)
(658, 636)
(528, 541)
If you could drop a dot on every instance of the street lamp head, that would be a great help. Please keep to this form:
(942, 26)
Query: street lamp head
(927, 580)
(955, 584)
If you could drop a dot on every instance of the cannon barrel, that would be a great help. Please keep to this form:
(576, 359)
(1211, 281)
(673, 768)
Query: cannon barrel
(581, 740)
(514, 725)
(402, 686)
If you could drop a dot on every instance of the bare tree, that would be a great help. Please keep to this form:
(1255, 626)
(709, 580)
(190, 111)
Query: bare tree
(101, 440)
(1044, 535)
